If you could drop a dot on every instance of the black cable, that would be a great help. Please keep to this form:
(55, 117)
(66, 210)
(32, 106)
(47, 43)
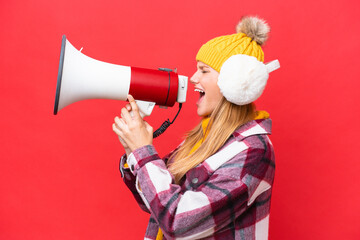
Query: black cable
(166, 124)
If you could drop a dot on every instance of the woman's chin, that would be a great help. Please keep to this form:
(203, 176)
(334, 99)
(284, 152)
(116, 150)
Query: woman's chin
(201, 113)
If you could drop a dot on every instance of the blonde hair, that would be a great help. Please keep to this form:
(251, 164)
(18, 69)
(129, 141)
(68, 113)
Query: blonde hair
(224, 120)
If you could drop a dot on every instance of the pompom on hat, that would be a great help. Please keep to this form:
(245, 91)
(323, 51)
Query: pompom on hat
(239, 60)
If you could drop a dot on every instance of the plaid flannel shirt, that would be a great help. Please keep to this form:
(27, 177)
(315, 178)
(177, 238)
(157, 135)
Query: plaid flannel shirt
(225, 197)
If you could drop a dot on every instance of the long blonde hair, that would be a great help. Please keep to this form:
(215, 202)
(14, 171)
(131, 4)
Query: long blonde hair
(224, 120)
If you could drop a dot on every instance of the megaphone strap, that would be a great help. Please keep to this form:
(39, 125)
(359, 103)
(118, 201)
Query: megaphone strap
(168, 70)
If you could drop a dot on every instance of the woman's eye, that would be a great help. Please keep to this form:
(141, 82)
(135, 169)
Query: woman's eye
(203, 71)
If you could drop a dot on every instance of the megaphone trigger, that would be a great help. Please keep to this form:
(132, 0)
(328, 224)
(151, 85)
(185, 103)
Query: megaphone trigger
(145, 108)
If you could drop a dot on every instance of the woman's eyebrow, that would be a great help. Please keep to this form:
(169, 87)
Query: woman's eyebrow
(204, 66)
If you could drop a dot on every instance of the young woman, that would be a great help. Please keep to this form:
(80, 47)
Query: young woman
(217, 183)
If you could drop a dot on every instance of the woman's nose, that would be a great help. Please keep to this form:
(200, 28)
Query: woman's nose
(194, 79)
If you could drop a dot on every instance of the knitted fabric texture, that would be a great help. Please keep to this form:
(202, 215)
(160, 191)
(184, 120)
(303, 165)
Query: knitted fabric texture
(216, 51)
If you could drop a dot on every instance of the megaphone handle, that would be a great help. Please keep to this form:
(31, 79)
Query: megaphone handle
(145, 108)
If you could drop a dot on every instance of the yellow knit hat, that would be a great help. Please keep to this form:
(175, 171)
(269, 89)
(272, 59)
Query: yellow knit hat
(252, 32)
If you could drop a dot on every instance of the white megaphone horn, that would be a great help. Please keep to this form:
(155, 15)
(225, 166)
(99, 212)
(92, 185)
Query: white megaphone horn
(81, 77)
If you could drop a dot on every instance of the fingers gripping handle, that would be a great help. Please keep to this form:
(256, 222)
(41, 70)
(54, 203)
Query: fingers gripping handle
(145, 109)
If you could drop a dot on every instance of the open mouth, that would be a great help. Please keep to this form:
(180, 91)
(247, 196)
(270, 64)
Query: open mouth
(201, 92)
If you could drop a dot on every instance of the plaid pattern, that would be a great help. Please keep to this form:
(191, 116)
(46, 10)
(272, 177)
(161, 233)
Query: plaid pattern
(225, 197)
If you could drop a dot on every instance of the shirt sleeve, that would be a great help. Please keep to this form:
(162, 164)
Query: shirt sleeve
(129, 180)
(197, 212)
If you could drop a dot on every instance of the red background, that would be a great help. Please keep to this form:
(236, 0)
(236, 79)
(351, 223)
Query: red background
(59, 174)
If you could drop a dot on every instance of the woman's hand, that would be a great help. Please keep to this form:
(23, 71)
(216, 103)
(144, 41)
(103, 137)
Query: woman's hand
(132, 130)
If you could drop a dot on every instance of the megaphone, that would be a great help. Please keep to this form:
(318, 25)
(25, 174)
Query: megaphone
(81, 77)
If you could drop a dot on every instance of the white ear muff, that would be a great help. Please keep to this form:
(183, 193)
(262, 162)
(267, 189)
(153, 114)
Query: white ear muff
(243, 78)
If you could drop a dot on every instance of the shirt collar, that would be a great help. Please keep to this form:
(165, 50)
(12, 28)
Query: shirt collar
(254, 127)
